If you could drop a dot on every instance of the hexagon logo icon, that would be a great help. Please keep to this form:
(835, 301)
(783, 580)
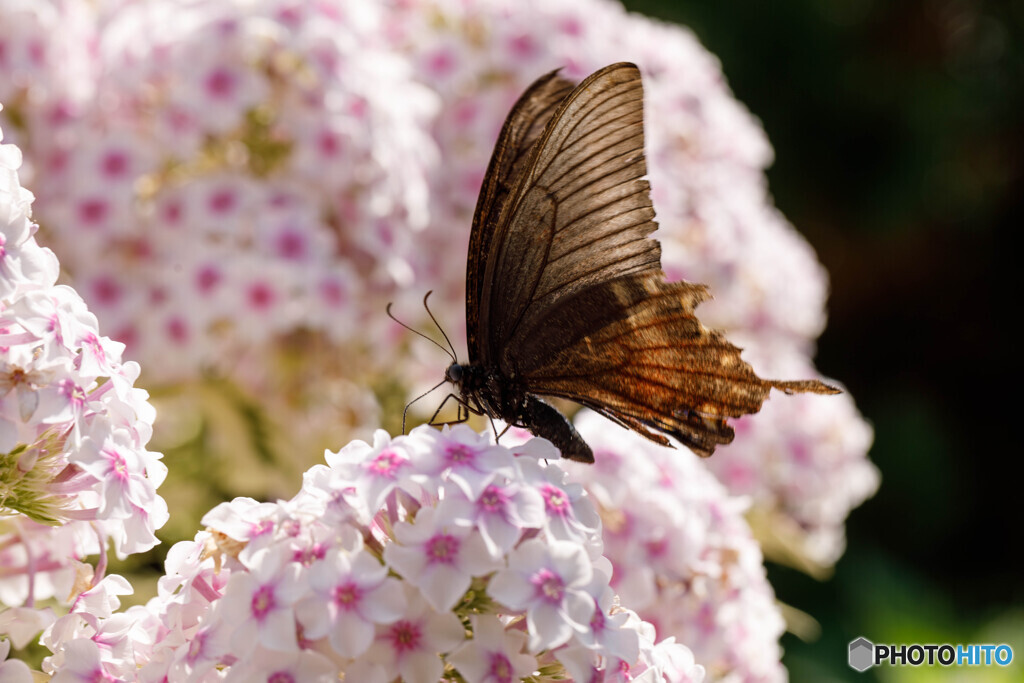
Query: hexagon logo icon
(862, 654)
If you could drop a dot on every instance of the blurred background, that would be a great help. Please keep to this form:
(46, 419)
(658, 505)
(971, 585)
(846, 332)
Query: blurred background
(899, 154)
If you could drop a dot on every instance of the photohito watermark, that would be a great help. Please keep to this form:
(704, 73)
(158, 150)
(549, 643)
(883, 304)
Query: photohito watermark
(864, 654)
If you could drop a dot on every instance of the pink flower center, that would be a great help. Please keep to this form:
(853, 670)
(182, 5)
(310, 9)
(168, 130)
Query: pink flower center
(493, 499)
(386, 464)
(555, 499)
(523, 46)
(92, 342)
(177, 330)
(291, 244)
(118, 466)
(106, 290)
(208, 278)
(597, 622)
(501, 668)
(222, 201)
(328, 143)
(262, 601)
(195, 648)
(172, 211)
(347, 595)
(656, 548)
(443, 549)
(261, 295)
(92, 211)
(548, 585)
(220, 83)
(307, 556)
(259, 528)
(332, 293)
(441, 63)
(280, 677)
(114, 164)
(459, 454)
(405, 636)
(72, 393)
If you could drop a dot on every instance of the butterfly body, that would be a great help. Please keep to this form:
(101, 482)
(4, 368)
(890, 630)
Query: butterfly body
(565, 296)
(492, 392)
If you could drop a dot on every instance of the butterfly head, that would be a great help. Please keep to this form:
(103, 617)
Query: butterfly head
(454, 374)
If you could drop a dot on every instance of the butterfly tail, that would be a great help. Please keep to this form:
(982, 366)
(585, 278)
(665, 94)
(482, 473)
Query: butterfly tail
(807, 386)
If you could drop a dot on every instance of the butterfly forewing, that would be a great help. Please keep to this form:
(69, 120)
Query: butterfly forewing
(523, 127)
(578, 214)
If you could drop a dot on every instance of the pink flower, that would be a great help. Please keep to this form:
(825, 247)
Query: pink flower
(410, 646)
(501, 513)
(269, 666)
(259, 605)
(494, 655)
(84, 664)
(684, 556)
(351, 593)
(439, 556)
(470, 460)
(375, 470)
(14, 671)
(548, 581)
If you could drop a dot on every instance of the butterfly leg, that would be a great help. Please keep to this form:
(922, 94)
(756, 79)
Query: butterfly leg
(460, 416)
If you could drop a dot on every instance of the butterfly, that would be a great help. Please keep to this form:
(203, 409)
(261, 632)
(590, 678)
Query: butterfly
(565, 295)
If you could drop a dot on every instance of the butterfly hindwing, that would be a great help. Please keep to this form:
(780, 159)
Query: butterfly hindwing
(638, 354)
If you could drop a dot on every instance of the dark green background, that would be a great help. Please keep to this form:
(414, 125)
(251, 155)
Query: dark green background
(899, 137)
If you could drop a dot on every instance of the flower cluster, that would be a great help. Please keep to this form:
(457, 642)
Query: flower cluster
(801, 461)
(236, 171)
(682, 553)
(75, 475)
(233, 188)
(408, 557)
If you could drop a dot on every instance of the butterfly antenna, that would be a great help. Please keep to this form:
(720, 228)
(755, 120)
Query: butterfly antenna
(455, 357)
(432, 341)
(406, 411)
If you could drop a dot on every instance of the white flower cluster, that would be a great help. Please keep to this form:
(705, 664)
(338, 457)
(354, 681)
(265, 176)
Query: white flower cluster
(802, 461)
(682, 552)
(234, 172)
(75, 475)
(410, 557)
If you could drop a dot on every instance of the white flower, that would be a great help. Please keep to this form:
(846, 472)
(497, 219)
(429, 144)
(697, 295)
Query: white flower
(439, 556)
(548, 581)
(494, 655)
(409, 647)
(351, 593)
(259, 605)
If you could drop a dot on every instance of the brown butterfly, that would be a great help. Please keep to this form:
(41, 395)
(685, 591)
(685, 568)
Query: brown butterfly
(565, 295)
